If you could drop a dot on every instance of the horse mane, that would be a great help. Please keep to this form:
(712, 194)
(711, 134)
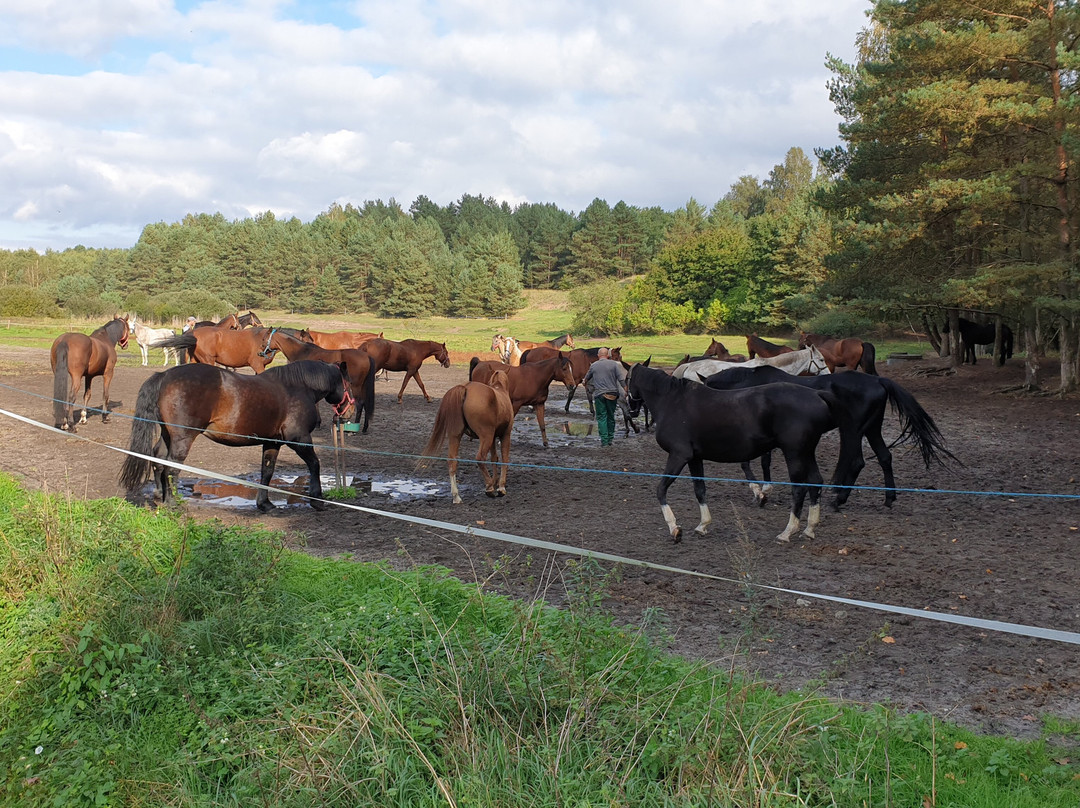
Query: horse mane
(305, 373)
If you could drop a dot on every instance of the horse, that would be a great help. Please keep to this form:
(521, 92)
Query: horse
(483, 411)
(694, 423)
(807, 361)
(338, 340)
(229, 322)
(717, 350)
(276, 407)
(251, 319)
(528, 384)
(863, 400)
(508, 349)
(231, 349)
(756, 346)
(406, 355)
(851, 352)
(144, 336)
(360, 365)
(580, 358)
(559, 342)
(972, 334)
(76, 357)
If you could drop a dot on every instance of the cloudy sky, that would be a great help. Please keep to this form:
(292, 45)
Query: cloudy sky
(116, 113)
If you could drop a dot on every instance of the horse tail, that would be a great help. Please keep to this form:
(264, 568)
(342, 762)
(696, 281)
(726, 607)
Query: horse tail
(369, 393)
(449, 409)
(472, 365)
(869, 355)
(916, 424)
(525, 356)
(144, 429)
(187, 340)
(61, 384)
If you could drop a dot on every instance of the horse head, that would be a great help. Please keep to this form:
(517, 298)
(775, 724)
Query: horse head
(497, 344)
(345, 408)
(818, 364)
(566, 371)
(125, 330)
(569, 342)
(442, 356)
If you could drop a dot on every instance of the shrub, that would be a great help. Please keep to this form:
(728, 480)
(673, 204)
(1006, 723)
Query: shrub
(27, 301)
(840, 323)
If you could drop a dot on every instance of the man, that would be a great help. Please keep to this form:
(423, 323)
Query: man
(608, 380)
(189, 324)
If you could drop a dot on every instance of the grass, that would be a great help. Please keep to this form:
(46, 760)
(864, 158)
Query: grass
(146, 659)
(546, 316)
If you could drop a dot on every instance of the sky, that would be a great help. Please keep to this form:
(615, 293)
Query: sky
(119, 113)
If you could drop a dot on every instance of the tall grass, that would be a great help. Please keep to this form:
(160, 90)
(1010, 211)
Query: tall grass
(146, 659)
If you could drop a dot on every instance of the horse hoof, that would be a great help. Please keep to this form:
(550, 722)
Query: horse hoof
(491, 493)
(676, 535)
(457, 500)
(318, 504)
(501, 492)
(266, 506)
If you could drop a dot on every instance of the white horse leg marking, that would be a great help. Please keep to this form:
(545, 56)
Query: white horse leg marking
(669, 517)
(792, 526)
(454, 489)
(706, 519)
(812, 520)
(758, 491)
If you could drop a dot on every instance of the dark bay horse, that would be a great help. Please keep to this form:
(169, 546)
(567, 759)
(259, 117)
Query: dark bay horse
(863, 400)
(76, 358)
(483, 411)
(407, 355)
(851, 352)
(972, 334)
(220, 346)
(337, 340)
(361, 366)
(249, 320)
(276, 407)
(528, 384)
(694, 423)
(756, 346)
(581, 359)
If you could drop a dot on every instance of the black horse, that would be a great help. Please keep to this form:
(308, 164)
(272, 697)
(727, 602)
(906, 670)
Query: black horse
(694, 423)
(972, 334)
(863, 399)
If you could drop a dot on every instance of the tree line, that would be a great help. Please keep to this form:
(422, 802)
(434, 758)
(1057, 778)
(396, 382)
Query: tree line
(954, 187)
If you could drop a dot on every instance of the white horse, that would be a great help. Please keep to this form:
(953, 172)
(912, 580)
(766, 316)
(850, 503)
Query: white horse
(145, 336)
(809, 361)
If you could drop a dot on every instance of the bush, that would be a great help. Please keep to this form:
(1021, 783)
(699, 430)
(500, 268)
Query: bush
(27, 301)
(840, 323)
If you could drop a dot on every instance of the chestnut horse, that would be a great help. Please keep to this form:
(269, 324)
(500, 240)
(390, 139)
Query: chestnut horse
(530, 383)
(851, 353)
(717, 350)
(280, 406)
(219, 346)
(482, 411)
(407, 355)
(580, 358)
(361, 366)
(337, 340)
(756, 346)
(230, 322)
(78, 358)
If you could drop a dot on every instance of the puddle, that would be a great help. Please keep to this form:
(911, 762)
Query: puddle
(232, 495)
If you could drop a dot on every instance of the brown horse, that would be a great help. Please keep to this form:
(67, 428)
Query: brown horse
(407, 355)
(77, 357)
(361, 366)
(559, 342)
(717, 350)
(230, 322)
(280, 406)
(249, 320)
(851, 353)
(337, 340)
(530, 383)
(756, 346)
(483, 411)
(230, 349)
(580, 358)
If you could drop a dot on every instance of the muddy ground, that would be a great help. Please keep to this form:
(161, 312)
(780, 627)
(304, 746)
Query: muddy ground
(1007, 558)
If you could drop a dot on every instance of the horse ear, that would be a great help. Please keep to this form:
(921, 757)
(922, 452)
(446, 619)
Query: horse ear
(647, 361)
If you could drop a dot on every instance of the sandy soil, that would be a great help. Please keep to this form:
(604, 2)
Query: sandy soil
(950, 547)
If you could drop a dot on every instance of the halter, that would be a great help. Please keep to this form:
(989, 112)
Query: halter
(347, 399)
(268, 350)
(817, 365)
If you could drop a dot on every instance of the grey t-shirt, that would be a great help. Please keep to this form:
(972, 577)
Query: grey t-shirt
(606, 376)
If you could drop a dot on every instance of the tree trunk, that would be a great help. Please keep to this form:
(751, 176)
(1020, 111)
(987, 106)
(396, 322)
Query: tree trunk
(1069, 352)
(1034, 354)
(932, 333)
(954, 337)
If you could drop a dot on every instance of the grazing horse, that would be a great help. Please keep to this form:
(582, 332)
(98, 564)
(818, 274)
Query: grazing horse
(694, 423)
(972, 334)
(406, 355)
(337, 340)
(717, 350)
(361, 366)
(807, 361)
(529, 384)
(851, 353)
(78, 358)
(756, 346)
(863, 400)
(480, 410)
(279, 406)
(581, 359)
(231, 349)
(145, 336)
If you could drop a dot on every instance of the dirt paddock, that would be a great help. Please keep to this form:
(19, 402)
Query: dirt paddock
(952, 546)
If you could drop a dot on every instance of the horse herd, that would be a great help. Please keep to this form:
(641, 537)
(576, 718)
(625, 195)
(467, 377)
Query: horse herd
(718, 407)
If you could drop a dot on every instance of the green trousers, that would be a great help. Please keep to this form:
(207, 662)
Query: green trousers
(605, 418)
